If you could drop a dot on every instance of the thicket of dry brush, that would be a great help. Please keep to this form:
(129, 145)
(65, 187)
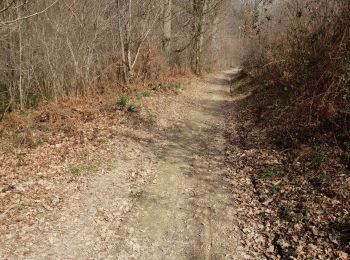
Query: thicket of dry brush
(302, 49)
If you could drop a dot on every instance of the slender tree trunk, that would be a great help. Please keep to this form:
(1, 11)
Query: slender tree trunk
(203, 22)
(20, 83)
(124, 42)
(167, 12)
(215, 40)
(199, 7)
(128, 40)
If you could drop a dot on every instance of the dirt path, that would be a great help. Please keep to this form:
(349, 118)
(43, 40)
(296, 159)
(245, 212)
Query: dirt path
(167, 199)
(187, 212)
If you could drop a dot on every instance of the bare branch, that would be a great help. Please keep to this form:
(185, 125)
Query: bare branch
(29, 16)
(8, 6)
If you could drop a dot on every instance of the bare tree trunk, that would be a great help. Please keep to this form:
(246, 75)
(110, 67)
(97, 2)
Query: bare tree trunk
(215, 40)
(123, 43)
(20, 85)
(167, 12)
(203, 24)
(128, 41)
(199, 7)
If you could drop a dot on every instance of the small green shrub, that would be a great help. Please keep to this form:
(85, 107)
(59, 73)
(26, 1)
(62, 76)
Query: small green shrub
(122, 102)
(132, 108)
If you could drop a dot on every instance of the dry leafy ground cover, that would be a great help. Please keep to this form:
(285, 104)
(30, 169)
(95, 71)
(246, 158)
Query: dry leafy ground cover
(294, 193)
(46, 155)
(292, 197)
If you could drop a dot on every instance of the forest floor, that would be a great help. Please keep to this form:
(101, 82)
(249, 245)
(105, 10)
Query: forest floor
(147, 185)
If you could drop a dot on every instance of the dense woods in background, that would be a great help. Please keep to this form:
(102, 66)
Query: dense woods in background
(301, 49)
(53, 49)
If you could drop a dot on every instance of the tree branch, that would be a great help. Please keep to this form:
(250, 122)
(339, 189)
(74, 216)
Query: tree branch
(29, 16)
(7, 7)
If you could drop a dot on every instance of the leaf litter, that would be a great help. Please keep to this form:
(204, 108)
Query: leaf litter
(50, 156)
(293, 203)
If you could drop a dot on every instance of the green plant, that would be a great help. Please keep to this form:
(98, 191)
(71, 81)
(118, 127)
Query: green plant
(285, 212)
(122, 102)
(132, 108)
(85, 168)
(276, 188)
(143, 94)
(75, 170)
(269, 174)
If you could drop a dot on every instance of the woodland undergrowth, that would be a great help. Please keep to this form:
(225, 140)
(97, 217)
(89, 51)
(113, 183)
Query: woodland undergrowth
(298, 62)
